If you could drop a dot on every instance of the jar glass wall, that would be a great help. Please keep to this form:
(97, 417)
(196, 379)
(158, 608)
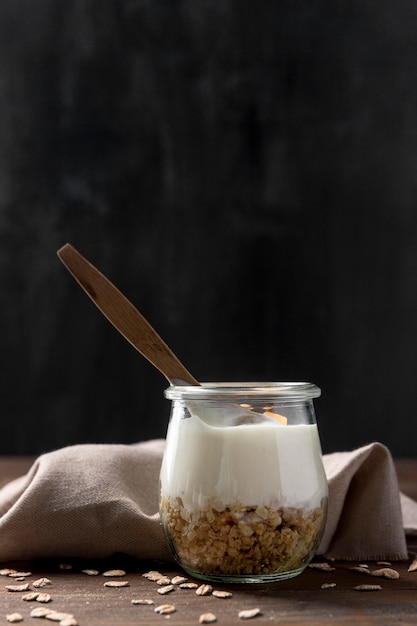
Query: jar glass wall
(243, 489)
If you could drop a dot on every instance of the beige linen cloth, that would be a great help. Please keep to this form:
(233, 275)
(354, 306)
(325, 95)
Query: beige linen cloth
(97, 500)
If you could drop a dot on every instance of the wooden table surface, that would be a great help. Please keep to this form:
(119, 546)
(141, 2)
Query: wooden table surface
(300, 600)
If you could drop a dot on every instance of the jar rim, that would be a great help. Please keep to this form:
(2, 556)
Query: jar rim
(214, 390)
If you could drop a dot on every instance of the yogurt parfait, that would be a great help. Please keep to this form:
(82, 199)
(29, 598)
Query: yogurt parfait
(243, 493)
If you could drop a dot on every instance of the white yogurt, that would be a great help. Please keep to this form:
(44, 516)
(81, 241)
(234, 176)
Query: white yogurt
(250, 464)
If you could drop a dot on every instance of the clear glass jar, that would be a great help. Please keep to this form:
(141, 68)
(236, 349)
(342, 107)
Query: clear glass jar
(243, 490)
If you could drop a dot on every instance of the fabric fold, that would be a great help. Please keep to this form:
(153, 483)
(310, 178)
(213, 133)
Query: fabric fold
(90, 500)
(364, 517)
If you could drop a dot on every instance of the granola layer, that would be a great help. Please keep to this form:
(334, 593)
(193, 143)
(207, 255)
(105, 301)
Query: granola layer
(242, 540)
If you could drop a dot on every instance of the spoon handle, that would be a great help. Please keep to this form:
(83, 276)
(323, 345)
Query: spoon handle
(124, 316)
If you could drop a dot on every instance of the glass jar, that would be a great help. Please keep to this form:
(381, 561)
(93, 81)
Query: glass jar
(243, 489)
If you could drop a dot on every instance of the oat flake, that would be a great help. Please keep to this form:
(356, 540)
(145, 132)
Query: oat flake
(413, 566)
(43, 597)
(217, 593)
(58, 616)
(90, 572)
(152, 575)
(323, 567)
(386, 572)
(360, 568)
(116, 583)
(14, 617)
(178, 580)
(40, 612)
(249, 613)
(204, 590)
(30, 596)
(165, 609)
(114, 572)
(188, 585)
(41, 582)
(207, 618)
(142, 601)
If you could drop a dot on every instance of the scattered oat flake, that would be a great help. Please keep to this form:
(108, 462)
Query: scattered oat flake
(165, 609)
(413, 566)
(324, 567)
(188, 585)
(164, 580)
(368, 588)
(68, 621)
(386, 572)
(114, 572)
(58, 616)
(41, 582)
(90, 572)
(116, 583)
(20, 574)
(152, 575)
(204, 590)
(14, 617)
(218, 593)
(207, 618)
(7, 572)
(364, 565)
(249, 613)
(40, 612)
(142, 601)
(43, 597)
(178, 580)
(65, 566)
(23, 587)
(328, 585)
(386, 563)
(167, 589)
(359, 568)
(30, 596)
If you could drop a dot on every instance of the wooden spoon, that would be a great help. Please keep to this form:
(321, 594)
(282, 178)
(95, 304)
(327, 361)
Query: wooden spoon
(138, 332)
(125, 317)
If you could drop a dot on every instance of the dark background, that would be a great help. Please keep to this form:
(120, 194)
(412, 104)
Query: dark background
(245, 172)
